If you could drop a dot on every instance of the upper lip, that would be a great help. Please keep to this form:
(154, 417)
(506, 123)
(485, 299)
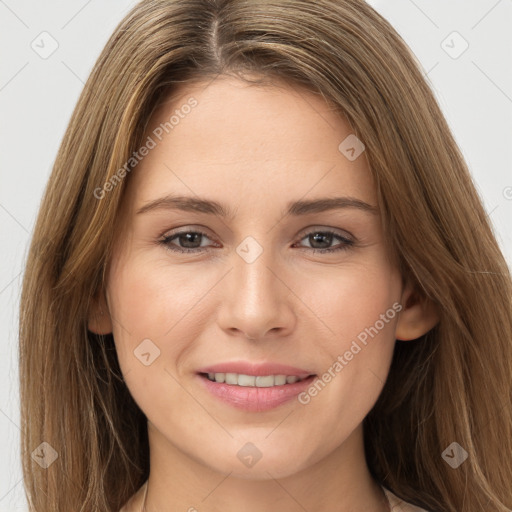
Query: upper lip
(249, 368)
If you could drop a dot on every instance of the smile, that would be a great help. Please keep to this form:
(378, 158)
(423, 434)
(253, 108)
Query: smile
(260, 381)
(255, 393)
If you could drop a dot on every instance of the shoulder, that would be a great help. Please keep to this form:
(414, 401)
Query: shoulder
(134, 504)
(128, 506)
(398, 505)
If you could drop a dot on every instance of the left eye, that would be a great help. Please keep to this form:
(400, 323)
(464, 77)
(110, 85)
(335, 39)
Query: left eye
(190, 239)
(326, 238)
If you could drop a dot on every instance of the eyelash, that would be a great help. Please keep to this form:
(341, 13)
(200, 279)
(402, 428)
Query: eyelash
(346, 242)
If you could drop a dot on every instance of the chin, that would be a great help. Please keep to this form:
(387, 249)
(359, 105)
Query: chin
(267, 467)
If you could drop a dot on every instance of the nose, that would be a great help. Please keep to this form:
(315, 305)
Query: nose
(256, 301)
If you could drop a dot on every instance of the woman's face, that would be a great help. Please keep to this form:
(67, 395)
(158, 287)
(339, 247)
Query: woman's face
(216, 264)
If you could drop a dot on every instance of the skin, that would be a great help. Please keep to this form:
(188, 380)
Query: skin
(254, 149)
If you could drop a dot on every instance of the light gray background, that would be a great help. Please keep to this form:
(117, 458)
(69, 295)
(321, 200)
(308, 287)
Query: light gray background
(37, 96)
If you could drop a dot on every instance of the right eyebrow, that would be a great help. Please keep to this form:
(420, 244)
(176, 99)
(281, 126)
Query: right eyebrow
(191, 204)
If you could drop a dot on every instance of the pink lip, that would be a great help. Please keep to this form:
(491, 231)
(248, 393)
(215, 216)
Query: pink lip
(256, 369)
(253, 398)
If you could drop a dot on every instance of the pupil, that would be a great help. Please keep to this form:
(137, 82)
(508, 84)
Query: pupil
(315, 238)
(186, 239)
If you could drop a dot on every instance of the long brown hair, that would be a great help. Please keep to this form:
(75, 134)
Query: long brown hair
(451, 385)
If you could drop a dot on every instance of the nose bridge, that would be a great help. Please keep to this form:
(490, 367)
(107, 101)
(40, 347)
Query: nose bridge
(254, 282)
(256, 301)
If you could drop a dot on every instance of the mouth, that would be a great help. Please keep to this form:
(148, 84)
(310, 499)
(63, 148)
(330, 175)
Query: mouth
(254, 393)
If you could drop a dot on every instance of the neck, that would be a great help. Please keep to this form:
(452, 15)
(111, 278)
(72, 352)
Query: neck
(340, 481)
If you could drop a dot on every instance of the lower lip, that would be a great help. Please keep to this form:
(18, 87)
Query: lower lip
(252, 398)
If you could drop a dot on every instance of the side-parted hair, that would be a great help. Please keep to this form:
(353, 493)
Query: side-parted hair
(451, 385)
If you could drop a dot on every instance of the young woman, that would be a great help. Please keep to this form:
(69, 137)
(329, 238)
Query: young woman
(261, 278)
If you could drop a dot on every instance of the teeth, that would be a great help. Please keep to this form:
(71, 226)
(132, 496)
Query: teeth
(279, 380)
(265, 381)
(243, 380)
(259, 381)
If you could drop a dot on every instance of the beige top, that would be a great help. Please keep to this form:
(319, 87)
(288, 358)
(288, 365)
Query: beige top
(397, 505)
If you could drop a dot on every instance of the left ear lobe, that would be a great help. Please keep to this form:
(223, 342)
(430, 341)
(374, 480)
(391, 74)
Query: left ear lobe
(99, 320)
(418, 316)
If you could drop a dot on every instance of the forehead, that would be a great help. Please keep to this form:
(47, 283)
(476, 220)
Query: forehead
(230, 138)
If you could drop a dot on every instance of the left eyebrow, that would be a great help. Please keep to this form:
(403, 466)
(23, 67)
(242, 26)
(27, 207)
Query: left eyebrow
(294, 208)
(329, 203)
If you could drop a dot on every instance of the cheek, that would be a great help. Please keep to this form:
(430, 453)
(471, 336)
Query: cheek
(352, 299)
(358, 310)
(149, 297)
(152, 300)
(157, 316)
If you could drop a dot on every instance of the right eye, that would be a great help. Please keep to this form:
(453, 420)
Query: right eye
(188, 238)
